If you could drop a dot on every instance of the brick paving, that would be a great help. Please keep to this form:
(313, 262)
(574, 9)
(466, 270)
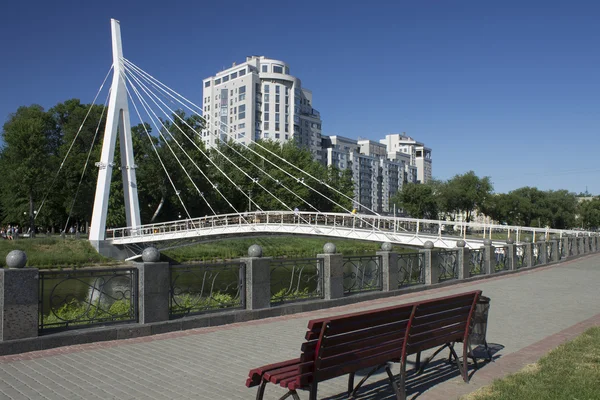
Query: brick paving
(531, 313)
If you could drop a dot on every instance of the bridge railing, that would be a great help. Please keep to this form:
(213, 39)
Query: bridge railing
(43, 301)
(342, 221)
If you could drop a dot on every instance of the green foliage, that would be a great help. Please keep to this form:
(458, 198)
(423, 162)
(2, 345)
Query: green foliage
(465, 193)
(418, 200)
(191, 303)
(589, 213)
(79, 313)
(571, 371)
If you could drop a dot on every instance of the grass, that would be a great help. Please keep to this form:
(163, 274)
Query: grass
(273, 246)
(52, 252)
(55, 252)
(571, 371)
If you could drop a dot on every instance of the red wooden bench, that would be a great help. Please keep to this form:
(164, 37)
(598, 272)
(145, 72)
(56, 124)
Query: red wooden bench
(345, 344)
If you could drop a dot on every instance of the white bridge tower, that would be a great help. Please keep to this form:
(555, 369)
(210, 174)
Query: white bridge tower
(117, 121)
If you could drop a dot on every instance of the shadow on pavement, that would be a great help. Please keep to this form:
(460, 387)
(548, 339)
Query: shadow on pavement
(436, 372)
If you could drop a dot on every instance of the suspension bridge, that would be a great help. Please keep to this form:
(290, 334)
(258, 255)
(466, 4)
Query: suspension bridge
(153, 99)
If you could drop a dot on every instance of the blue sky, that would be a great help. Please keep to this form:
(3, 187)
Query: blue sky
(508, 89)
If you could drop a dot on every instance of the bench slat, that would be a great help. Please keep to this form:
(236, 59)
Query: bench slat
(432, 325)
(392, 348)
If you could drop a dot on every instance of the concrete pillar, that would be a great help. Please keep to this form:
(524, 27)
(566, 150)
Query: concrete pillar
(565, 248)
(586, 244)
(432, 270)
(528, 254)
(511, 255)
(543, 255)
(594, 243)
(258, 279)
(489, 257)
(19, 298)
(389, 267)
(554, 246)
(153, 291)
(463, 259)
(333, 272)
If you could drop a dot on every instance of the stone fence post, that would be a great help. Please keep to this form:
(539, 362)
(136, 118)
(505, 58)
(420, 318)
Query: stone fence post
(586, 244)
(543, 254)
(554, 246)
(489, 257)
(19, 293)
(432, 270)
(565, 247)
(258, 279)
(511, 255)
(594, 240)
(528, 253)
(153, 287)
(463, 259)
(389, 267)
(333, 272)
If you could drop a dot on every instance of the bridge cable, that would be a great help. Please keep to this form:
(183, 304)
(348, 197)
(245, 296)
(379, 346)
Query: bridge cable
(201, 151)
(170, 148)
(148, 77)
(233, 163)
(177, 192)
(87, 160)
(72, 143)
(139, 71)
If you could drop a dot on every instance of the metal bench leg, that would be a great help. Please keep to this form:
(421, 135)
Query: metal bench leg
(313, 391)
(292, 393)
(261, 390)
(351, 384)
(400, 394)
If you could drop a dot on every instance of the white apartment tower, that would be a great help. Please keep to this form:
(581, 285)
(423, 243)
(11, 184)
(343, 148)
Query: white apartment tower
(420, 156)
(259, 99)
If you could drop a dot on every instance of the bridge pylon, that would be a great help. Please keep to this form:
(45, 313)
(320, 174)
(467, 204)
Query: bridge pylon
(117, 122)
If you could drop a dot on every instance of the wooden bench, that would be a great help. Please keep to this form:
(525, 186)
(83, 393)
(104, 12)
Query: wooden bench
(345, 344)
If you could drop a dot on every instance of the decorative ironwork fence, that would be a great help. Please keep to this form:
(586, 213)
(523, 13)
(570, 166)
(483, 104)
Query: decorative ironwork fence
(447, 262)
(521, 255)
(410, 269)
(536, 258)
(476, 262)
(76, 299)
(362, 274)
(201, 288)
(500, 259)
(296, 279)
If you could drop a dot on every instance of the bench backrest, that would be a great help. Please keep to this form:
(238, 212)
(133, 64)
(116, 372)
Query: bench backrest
(347, 343)
(439, 321)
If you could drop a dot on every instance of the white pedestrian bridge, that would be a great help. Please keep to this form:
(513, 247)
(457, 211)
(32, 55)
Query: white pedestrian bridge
(397, 230)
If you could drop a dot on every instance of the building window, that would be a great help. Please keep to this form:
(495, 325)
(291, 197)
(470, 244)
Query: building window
(242, 111)
(276, 126)
(265, 68)
(287, 109)
(218, 81)
(276, 98)
(276, 107)
(287, 129)
(266, 125)
(241, 126)
(266, 135)
(266, 116)
(242, 72)
(278, 69)
(242, 89)
(277, 136)
(277, 89)
(266, 97)
(287, 70)
(234, 75)
(225, 79)
(207, 84)
(242, 96)
(277, 117)
(266, 88)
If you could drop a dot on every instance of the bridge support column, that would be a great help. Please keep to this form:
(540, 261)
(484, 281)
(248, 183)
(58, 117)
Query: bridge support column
(258, 279)
(19, 305)
(333, 272)
(511, 255)
(153, 291)
(463, 259)
(432, 270)
(489, 257)
(389, 268)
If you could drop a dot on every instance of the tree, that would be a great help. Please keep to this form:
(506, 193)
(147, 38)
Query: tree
(560, 210)
(589, 213)
(418, 200)
(30, 140)
(466, 193)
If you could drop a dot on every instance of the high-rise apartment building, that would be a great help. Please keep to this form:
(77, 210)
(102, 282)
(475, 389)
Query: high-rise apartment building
(420, 156)
(259, 99)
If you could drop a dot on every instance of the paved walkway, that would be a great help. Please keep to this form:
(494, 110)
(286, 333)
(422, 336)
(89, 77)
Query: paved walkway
(531, 313)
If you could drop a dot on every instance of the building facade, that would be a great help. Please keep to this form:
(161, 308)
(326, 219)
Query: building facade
(420, 156)
(259, 99)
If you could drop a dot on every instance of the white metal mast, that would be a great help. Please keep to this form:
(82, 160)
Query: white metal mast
(117, 121)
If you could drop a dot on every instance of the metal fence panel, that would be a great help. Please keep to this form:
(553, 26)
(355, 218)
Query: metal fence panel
(362, 274)
(476, 257)
(296, 279)
(447, 261)
(410, 269)
(197, 289)
(75, 299)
